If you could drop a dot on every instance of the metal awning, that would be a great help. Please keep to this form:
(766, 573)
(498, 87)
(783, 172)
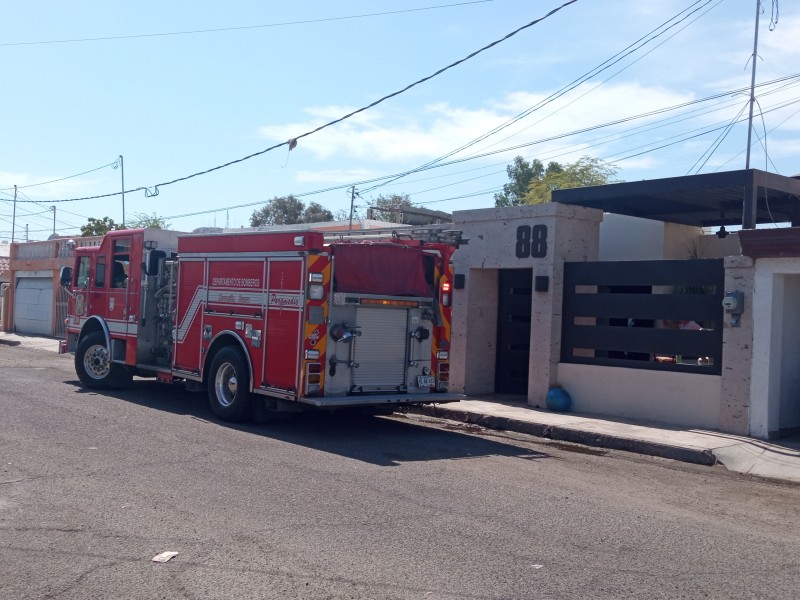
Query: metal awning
(745, 197)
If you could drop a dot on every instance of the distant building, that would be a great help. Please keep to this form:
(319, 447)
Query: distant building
(5, 249)
(414, 215)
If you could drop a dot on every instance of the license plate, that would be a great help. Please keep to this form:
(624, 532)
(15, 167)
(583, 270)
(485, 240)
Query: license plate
(425, 381)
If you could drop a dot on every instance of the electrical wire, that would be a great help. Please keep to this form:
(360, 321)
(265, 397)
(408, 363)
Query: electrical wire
(154, 190)
(30, 185)
(240, 28)
(738, 154)
(615, 136)
(715, 144)
(682, 137)
(784, 105)
(679, 138)
(589, 91)
(608, 63)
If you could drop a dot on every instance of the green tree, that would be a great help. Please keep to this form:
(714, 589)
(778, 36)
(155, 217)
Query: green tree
(284, 210)
(584, 172)
(97, 227)
(142, 220)
(386, 208)
(520, 174)
(316, 213)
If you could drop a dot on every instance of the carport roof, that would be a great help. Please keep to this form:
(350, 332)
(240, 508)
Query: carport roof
(707, 200)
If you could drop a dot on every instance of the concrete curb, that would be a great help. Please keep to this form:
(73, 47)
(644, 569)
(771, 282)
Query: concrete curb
(568, 434)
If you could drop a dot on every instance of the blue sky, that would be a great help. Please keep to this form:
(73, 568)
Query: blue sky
(174, 105)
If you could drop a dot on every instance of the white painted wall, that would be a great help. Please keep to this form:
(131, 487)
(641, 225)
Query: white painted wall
(682, 399)
(632, 238)
(775, 309)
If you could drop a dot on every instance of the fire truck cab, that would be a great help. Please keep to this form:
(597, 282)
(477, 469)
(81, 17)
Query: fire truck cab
(267, 321)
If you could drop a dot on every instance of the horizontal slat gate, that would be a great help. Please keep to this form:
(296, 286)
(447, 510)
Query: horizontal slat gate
(616, 314)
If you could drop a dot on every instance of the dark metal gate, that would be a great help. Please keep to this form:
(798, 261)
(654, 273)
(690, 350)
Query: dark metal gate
(515, 294)
(664, 315)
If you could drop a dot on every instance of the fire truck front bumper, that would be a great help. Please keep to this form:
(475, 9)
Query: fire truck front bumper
(381, 400)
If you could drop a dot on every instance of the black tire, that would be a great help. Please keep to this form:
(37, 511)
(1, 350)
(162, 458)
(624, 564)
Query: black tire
(93, 363)
(229, 386)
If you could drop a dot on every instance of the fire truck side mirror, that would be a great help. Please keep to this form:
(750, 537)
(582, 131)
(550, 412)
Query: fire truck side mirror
(66, 276)
(153, 260)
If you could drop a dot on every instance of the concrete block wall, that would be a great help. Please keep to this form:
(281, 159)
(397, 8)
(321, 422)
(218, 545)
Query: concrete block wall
(572, 234)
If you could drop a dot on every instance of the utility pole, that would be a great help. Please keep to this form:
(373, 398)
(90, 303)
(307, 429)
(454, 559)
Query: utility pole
(752, 87)
(14, 215)
(122, 171)
(352, 201)
(53, 208)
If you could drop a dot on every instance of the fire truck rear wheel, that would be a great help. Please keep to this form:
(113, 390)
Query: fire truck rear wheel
(229, 386)
(93, 363)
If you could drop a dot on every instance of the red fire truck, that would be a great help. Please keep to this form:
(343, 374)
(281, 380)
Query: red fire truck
(267, 321)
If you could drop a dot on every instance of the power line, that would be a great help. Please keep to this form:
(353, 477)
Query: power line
(648, 127)
(30, 185)
(239, 28)
(608, 63)
(735, 156)
(633, 131)
(720, 138)
(291, 143)
(682, 138)
(559, 109)
(784, 105)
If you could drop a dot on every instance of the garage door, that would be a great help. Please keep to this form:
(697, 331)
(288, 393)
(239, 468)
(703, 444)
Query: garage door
(33, 306)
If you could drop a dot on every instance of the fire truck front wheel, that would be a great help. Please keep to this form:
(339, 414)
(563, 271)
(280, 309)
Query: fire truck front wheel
(229, 386)
(93, 364)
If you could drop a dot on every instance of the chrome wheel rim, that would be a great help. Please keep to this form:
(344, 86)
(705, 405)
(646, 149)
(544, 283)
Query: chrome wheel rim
(96, 362)
(225, 384)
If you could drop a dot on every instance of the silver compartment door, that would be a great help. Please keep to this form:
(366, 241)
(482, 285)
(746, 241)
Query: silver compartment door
(380, 350)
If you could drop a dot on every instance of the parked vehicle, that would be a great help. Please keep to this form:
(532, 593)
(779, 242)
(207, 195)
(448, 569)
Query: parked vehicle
(267, 321)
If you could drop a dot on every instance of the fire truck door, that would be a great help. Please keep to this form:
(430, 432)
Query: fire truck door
(380, 350)
(118, 309)
(285, 303)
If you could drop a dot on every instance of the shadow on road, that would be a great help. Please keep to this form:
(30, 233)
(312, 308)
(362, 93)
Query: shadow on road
(383, 441)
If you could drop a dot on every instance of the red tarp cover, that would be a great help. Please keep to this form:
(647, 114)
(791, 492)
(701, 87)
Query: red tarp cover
(380, 269)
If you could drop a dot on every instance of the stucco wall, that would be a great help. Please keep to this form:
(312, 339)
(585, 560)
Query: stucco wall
(737, 350)
(682, 399)
(714, 247)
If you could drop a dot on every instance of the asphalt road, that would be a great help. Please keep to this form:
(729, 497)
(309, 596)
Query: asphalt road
(93, 486)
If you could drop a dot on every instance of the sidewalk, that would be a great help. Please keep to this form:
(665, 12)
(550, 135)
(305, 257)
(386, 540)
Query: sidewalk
(29, 341)
(777, 460)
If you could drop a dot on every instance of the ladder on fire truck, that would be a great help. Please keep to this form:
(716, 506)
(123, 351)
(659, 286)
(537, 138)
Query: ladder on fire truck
(437, 235)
